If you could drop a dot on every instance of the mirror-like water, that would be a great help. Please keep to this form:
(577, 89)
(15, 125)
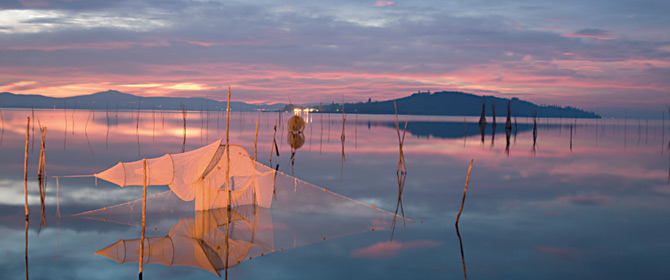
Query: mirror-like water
(589, 199)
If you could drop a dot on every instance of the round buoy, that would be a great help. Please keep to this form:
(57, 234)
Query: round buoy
(296, 124)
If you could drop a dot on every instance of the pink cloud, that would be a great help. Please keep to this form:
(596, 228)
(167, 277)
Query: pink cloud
(591, 33)
(383, 3)
(392, 248)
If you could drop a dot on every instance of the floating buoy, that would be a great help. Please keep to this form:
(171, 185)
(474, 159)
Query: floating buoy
(296, 123)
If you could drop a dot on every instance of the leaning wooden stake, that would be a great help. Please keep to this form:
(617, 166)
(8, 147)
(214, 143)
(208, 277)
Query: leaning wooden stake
(144, 214)
(465, 191)
(25, 167)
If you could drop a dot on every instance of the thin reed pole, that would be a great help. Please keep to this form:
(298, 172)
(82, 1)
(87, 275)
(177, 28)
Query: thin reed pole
(57, 198)
(228, 157)
(32, 147)
(41, 176)
(274, 142)
(460, 242)
(255, 161)
(465, 191)
(401, 140)
(255, 142)
(26, 247)
(25, 167)
(144, 214)
(227, 246)
(183, 116)
(65, 118)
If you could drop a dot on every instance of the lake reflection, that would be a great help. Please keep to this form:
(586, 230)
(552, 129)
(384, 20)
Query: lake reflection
(589, 200)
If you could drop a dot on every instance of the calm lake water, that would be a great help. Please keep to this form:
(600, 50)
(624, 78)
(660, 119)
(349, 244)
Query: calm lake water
(590, 200)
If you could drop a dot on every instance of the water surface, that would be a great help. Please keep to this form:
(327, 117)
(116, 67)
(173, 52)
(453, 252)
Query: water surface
(589, 199)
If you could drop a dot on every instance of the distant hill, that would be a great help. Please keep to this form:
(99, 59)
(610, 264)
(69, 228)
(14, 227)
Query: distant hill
(113, 100)
(452, 103)
(446, 103)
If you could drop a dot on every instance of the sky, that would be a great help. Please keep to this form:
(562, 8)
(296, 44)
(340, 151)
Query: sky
(611, 57)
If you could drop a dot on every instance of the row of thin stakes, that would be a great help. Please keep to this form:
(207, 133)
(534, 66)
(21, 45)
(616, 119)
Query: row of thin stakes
(402, 169)
(41, 173)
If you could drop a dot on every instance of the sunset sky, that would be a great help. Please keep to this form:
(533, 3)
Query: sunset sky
(608, 56)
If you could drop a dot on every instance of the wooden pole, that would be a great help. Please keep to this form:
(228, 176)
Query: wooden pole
(41, 176)
(26, 247)
(465, 191)
(183, 116)
(144, 214)
(401, 157)
(274, 143)
(255, 142)
(227, 246)
(25, 168)
(228, 154)
(460, 242)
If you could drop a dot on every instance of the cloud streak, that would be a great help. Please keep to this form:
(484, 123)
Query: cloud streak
(379, 50)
